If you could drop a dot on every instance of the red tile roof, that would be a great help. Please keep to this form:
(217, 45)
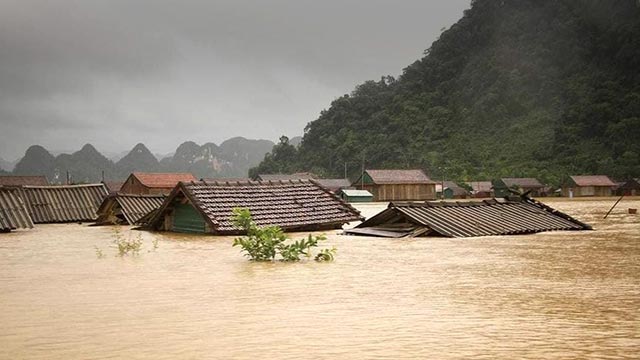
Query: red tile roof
(399, 177)
(592, 180)
(12, 180)
(293, 205)
(163, 180)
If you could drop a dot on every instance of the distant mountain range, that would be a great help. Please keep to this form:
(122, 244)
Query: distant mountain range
(232, 158)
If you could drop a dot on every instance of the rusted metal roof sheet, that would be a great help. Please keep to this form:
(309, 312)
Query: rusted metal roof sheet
(292, 205)
(129, 208)
(13, 180)
(592, 180)
(162, 180)
(415, 176)
(13, 212)
(63, 203)
(464, 219)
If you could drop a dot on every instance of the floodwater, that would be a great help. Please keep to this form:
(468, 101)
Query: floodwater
(561, 295)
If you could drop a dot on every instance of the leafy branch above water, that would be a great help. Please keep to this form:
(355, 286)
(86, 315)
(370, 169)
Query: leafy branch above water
(265, 243)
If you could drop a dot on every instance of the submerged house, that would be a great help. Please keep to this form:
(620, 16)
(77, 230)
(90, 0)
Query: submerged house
(481, 189)
(509, 216)
(127, 209)
(394, 185)
(13, 211)
(588, 185)
(630, 187)
(294, 205)
(451, 190)
(502, 186)
(62, 203)
(153, 183)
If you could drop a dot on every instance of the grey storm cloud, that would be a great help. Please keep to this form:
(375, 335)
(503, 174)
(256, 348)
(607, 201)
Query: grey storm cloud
(114, 73)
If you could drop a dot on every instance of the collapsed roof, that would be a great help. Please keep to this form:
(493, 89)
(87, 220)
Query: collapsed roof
(127, 208)
(509, 216)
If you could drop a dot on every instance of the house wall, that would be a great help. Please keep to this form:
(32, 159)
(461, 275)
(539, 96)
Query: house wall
(394, 192)
(134, 186)
(585, 191)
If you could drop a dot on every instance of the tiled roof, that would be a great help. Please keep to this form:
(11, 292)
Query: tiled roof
(131, 207)
(334, 184)
(292, 205)
(464, 219)
(162, 180)
(278, 177)
(13, 212)
(63, 203)
(592, 180)
(399, 177)
(522, 182)
(13, 180)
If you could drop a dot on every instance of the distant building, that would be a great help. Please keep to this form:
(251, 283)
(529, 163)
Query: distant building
(481, 189)
(395, 185)
(13, 180)
(630, 187)
(588, 185)
(451, 191)
(502, 186)
(153, 183)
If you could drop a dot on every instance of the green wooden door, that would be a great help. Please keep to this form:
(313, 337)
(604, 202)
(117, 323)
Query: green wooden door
(187, 219)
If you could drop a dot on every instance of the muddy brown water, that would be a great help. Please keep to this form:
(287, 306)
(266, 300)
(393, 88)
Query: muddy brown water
(559, 295)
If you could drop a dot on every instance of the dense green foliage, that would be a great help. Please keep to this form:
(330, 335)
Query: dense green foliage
(515, 88)
(264, 243)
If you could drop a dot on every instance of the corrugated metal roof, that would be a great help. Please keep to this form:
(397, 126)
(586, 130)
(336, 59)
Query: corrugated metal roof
(162, 180)
(415, 176)
(13, 212)
(355, 192)
(63, 203)
(592, 180)
(14, 180)
(131, 207)
(292, 205)
(465, 219)
(113, 186)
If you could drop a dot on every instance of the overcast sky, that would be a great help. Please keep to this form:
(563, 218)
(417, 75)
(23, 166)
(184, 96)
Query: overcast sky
(115, 73)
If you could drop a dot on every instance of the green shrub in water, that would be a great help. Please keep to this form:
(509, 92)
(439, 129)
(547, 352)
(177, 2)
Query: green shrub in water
(265, 243)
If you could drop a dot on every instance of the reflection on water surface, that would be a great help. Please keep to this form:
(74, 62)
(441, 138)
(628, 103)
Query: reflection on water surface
(549, 295)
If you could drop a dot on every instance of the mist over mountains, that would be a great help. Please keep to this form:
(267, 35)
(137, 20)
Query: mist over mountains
(232, 158)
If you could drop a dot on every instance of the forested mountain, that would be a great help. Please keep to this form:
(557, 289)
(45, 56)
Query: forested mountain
(232, 158)
(514, 88)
